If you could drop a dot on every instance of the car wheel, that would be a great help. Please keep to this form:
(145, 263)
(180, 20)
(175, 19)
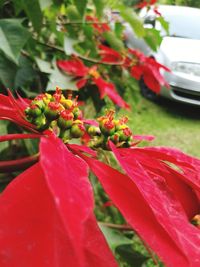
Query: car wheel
(146, 92)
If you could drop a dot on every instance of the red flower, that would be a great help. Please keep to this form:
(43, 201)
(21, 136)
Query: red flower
(97, 25)
(140, 66)
(13, 110)
(76, 68)
(106, 88)
(146, 3)
(148, 69)
(109, 55)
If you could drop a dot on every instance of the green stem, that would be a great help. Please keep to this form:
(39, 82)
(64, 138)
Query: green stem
(122, 227)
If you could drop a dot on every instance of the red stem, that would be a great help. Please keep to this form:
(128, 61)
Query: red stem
(9, 137)
(18, 164)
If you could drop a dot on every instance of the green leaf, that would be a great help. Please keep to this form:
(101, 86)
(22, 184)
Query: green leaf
(113, 41)
(133, 19)
(44, 66)
(69, 45)
(57, 78)
(18, 6)
(81, 6)
(130, 256)
(119, 28)
(153, 38)
(25, 74)
(45, 3)
(72, 13)
(13, 37)
(7, 71)
(114, 238)
(164, 24)
(34, 13)
(99, 5)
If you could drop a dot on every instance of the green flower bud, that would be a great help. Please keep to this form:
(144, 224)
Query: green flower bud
(115, 138)
(39, 103)
(67, 103)
(65, 119)
(93, 131)
(77, 113)
(52, 110)
(96, 142)
(77, 130)
(65, 135)
(124, 133)
(107, 126)
(33, 111)
(41, 123)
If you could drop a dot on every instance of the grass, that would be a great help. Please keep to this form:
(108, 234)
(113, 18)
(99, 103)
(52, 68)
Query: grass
(173, 124)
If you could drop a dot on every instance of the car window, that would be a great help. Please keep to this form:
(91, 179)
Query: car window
(182, 26)
(183, 21)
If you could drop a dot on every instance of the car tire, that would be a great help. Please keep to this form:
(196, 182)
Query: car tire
(146, 92)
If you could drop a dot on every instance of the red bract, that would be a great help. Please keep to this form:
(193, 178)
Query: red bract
(171, 197)
(106, 88)
(47, 215)
(148, 69)
(140, 66)
(109, 55)
(97, 25)
(146, 3)
(76, 68)
(13, 110)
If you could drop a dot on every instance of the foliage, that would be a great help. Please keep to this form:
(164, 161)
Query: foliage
(191, 3)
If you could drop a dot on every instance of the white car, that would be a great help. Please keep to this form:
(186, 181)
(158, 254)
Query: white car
(179, 51)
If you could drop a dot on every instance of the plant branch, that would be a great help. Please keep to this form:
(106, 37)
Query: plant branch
(121, 227)
(96, 61)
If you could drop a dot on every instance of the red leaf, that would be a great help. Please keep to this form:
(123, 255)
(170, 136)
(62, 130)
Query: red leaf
(98, 26)
(74, 67)
(81, 83)
(82, 148)
(73, 195)
(157, 189)
(137, 71)
(151, 82)
(189, 165)
(109, 55)
(47, 215)
(106, 88)
(144, 137)
(149, 69)
(10, 109)
(131, 202)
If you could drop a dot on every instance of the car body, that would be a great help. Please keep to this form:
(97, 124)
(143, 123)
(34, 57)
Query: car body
(179, 51)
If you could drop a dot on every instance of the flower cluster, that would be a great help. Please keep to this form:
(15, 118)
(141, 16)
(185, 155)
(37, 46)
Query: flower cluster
(56, 113)
(110, 129)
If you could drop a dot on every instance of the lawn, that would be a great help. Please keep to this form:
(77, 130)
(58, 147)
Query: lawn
(173, 124)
